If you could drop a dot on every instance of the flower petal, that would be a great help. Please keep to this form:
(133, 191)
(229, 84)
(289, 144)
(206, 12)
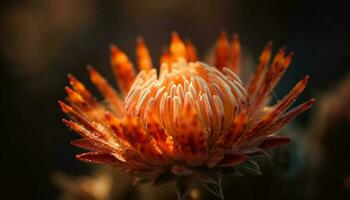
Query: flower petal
(99, 158)
(275, 141)
(123, 69)
(232, 159)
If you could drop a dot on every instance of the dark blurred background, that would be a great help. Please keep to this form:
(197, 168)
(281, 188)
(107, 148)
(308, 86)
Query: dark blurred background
(43, 40)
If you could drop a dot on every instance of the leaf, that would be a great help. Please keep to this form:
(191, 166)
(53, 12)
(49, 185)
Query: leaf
(267, 155)
(215, 189)
(256, 152)
(212, 183)
(184, 185)
(238, 173)
(230, 171)
(251, 167)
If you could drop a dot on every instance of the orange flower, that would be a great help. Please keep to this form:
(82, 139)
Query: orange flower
(191, 122)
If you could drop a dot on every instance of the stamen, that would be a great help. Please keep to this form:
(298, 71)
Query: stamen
(180, 91)
(140, 103)
(230, 74)
(218, 106)
(176, 108)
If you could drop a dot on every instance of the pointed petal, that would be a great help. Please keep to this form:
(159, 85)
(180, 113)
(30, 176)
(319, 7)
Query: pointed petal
(79, 87)
(232, 159)
(99, 158)
(274, 141)
(277, 69)
(123, 69)
(165, 57)
(228, 139)
(240, 123)
(290, 115)
(73, 114)
(94, 137)
(235, 53)
(271, 78)
(221, 51)
(260, 71)
(107, 91)
(177, 47)
(181, 170)
(287, 101)
(86, 144)
(191, 52)
(268, 126)
(144, 60)
(75, 98)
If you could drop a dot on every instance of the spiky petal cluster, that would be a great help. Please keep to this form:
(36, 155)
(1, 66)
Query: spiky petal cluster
(190, 119)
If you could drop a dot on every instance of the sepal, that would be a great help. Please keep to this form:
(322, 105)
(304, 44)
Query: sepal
(250, 167)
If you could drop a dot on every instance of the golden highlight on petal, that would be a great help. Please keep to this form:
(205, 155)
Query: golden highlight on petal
(189, 116)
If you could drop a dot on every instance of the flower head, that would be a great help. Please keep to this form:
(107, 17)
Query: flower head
(191, 122)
